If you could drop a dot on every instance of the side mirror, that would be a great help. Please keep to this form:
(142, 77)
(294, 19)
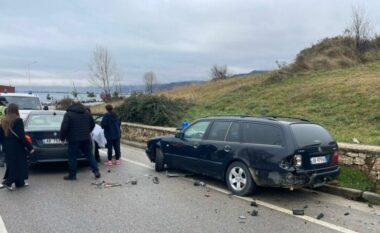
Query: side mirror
(179, 133)
(46, 107)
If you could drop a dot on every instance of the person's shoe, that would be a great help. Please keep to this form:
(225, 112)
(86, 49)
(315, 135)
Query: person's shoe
(26, 184)
(118, 162)
(108, 163)
(68, 177)
(97, 174)
(9, 187)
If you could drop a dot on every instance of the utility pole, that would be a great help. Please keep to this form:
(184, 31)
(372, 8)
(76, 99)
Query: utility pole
(28, 70)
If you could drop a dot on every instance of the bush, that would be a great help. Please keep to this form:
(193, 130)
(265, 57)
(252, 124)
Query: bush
(152, 109)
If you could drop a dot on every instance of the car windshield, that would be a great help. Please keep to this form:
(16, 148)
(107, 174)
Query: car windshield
(25, 102)
(44, 122)
(311, 134)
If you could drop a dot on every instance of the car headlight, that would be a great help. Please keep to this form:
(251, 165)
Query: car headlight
(297, 160)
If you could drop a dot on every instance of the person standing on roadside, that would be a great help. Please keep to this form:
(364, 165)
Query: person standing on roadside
(76, 128)
(16, 148)
(111, 125)
(3, 106)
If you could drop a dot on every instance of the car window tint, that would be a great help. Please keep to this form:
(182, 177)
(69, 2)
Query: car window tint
(197, 130)
(218, 130)
(234, 133)
(310, 134)
(261, 134)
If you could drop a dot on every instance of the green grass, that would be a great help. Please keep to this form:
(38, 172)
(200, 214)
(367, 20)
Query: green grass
(352, 178)
(345, 101)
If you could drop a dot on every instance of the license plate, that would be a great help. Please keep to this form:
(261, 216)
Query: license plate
(318, 160)
(51, 141)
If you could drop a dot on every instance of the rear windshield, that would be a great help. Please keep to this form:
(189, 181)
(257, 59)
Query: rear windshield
(44, 122)
(310, 134)
(25, 102)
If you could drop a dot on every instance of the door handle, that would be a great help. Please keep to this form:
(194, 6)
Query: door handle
(195, 145)
(227, 148)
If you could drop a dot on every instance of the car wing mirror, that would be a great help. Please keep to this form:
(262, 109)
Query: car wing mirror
(179, 133)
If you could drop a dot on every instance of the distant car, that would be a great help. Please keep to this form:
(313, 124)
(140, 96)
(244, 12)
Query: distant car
(248, 151)
(42, 130)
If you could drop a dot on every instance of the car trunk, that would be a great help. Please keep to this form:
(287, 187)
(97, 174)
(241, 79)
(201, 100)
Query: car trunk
(318, 149)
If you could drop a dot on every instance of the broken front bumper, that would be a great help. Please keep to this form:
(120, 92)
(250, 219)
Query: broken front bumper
(295, 179)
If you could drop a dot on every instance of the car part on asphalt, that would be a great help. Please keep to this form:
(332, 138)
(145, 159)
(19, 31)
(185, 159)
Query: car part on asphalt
(347, 213)
(370, 205)
(242, 217)
(254, 213)
(305, 207)
(254, 204)
(297, 211)
(320, 216)
(156, 180)
(199, 183)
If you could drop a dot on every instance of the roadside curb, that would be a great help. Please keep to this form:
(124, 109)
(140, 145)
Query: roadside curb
(348, 193)
(353, 194)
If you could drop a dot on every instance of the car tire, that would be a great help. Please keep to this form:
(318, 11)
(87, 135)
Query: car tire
(159, 165)
(239, 180)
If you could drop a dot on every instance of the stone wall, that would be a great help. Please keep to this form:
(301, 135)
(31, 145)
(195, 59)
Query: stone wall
(362, 157)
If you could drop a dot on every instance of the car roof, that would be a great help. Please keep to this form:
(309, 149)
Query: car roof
(18, 94)
(46, 112)
(277, 119)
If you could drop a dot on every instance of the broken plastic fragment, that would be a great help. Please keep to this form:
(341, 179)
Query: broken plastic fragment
(199, 183)
(156, 180)
(254, 204)
(319, 216)
(254, 213)
(243, 217)
(345, 214)
(297, 211)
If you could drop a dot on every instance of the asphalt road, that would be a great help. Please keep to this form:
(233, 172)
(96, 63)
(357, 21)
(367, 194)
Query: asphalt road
(51, 204)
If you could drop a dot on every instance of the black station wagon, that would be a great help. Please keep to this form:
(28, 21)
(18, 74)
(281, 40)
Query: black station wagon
(249, 151)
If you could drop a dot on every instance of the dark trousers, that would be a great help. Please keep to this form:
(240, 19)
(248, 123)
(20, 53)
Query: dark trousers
(116, 145)
(74, 149)
(97, 156)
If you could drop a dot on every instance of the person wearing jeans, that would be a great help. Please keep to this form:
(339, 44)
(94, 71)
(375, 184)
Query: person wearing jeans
(111, 125)
(76, 127)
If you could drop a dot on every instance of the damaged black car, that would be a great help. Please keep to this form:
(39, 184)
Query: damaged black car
(250, 151)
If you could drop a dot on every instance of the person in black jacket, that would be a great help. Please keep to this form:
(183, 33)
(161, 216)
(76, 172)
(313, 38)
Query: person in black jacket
(111, 125)
(76, 128)
(16, 148)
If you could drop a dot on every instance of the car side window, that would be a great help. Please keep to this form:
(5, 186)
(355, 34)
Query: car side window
(234, 133)
(261, 134)
(197, 130)
(218, 130)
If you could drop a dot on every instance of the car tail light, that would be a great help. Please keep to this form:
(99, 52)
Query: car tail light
(28, 139)
(297, 160)
(335, 158)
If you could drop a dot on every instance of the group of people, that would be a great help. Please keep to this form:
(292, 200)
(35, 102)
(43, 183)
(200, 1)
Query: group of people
(76, 129)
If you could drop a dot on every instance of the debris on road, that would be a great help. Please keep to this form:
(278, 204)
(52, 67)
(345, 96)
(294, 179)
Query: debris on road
(253, 213)
(242, 217)
(199, 183)
(298, 211)
(347, 213)
(98, 185)
(370, 205)
(109, 171)
(230, 195)
(254, 204)
(132, 182)
(177, 174)
(320, 216)
(156, 180)
(207, 195)
(105, 184)
(306, 206)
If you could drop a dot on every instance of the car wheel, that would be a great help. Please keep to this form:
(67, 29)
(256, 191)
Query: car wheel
(239, 179)
(159, 165)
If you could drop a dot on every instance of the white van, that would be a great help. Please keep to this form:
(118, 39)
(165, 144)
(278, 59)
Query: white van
(25, 102)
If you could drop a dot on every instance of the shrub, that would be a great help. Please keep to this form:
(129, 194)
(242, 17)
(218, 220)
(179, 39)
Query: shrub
(152, 109)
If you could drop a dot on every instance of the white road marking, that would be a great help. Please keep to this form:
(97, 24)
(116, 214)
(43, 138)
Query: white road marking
(2, 226)
(262, 203)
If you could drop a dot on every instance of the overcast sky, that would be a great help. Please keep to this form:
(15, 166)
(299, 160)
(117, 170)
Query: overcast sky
(178, 40)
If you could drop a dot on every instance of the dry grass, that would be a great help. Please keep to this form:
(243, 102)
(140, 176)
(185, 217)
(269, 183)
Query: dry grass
(100, 108)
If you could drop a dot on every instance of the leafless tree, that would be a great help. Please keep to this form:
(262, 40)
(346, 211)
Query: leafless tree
(359, 28)
(102, 69)
(149, 81)
(117, 85)
(219, 72)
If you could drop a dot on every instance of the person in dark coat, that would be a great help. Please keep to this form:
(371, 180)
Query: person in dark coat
(111, 125)
(16, 148)
(76, 128)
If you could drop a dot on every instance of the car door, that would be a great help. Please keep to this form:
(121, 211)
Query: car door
(183, 152)
(218, 148)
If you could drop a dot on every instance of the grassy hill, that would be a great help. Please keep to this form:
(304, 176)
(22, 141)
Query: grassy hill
(345, 100)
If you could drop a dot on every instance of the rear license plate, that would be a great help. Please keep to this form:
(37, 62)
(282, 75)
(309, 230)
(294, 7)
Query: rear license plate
(51, 141)
(318, 160)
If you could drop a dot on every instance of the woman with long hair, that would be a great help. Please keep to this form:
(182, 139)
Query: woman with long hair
(16, 147)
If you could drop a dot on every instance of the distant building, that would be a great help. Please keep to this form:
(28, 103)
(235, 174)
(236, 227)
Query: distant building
(7, 89)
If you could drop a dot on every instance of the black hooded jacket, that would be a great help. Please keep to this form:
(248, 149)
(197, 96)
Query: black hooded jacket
(77, 124)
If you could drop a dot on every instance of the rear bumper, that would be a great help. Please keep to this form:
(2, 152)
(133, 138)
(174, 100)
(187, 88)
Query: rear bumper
(47, 155)
(296, 179)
